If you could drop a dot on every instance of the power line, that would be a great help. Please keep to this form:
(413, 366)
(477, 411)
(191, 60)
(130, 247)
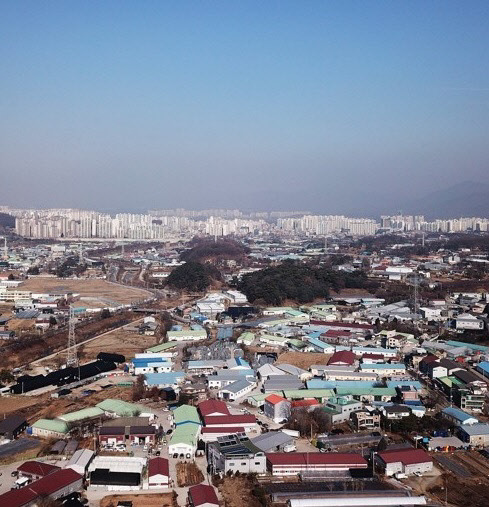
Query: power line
(71, 357)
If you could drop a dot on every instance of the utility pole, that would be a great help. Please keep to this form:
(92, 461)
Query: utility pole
(71, 358)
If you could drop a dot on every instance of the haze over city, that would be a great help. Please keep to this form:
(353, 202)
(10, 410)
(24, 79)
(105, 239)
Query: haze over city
(332, 107)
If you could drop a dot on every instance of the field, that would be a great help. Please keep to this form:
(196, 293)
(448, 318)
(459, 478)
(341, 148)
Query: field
(188, 474)
(237, 492)
(121, 341)
(102, 290)
(10, 404)
(143, 500)
(303, 359)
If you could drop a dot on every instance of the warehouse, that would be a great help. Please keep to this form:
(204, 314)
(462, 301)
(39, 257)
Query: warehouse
(406, 461)
(56, 485)
(116, 473)
(80, 460)
(158, 473)
(50, 428)
(282, 464)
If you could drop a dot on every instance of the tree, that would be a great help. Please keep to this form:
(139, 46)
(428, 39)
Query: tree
(193, 276)
(6, 377)
(105, 313)
(34, 270)
(138, 388)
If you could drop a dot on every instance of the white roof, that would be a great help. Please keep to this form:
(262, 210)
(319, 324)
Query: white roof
(80, 458)
(118, 464)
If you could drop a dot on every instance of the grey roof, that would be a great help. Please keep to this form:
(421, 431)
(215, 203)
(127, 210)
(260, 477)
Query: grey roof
(279, 383)
(238, 444)
(476, 429)
(291, 369)
(271, 440)
(11, 423)
(27, 314)
(237, 386)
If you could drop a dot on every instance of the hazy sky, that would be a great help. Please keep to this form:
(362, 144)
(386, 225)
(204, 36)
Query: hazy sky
(331, 106)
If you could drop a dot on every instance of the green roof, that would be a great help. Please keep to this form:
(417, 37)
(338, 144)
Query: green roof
(297, 343)
(364, 391)
(52, 425)
(247, 337)
(185, 434)
(122, 408)
(303, 394)
(273, 338)
(186, 414)
(80, 415)
(259, 397)
(162, 346)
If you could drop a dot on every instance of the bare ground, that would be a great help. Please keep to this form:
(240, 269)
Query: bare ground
(85, 288)
(143, 500)
(188, 474)
(303, 359)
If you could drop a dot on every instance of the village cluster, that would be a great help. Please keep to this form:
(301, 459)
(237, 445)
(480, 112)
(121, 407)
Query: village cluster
(361, 397)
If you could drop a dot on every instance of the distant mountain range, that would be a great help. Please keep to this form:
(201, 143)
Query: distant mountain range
(466, 199)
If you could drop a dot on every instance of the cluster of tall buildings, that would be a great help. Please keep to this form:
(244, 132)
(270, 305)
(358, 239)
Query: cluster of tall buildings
(73, 223)
(408, 223)
(327, 224)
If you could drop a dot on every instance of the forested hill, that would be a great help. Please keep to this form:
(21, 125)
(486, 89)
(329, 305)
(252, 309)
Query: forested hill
(297, 282)
(204, 250)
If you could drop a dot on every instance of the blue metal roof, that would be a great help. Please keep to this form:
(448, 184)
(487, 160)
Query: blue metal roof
(458, 414)
(163, 378)
(144, 361)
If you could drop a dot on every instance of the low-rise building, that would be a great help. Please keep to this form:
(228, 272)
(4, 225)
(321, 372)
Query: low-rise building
(477, 435)
(158, 473)
(12, 426)
(283, 464)
(50, 428)
(236, 390)
(406, 461)
(235, 453)
(202, 495)
(458, 417)
(35, 470)
(276, 408)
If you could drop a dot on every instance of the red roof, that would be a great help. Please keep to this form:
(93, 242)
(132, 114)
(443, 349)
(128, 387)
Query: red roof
(429, 359)
(342, 356)
(212, 406)
(274, 399)
(158, 466)
(336, 332)
(405, 456)
(373, 356)
(230, 430)
(317, 458)
(202, 494)
(229, 419)
(37, 468)
(45, 486)
(366, 327)
(304, 403)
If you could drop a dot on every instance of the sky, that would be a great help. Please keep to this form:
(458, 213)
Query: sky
(329, 106)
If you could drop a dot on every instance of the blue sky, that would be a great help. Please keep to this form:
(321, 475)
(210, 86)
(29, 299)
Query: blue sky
(321, 105)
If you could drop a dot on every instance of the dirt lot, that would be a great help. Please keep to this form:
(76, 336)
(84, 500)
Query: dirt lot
(123, 342)
(188, 474)
(303, 359)
(10, 404)
(237, 492)
(145, 500)
(85, 288)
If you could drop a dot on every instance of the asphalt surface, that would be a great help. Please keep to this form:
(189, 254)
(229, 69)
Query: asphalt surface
(20, 445)
(454, 467)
